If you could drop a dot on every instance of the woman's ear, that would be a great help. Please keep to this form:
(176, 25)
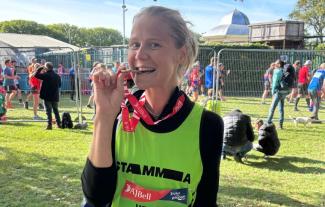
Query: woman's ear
(183, 53)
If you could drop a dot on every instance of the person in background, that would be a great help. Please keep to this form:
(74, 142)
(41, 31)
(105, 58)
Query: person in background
(223, 73)
(43, 61)
(268, 140)
(35, 87)
(315, 88)
(238, 135)
(209, 73)
(49, 92)
(294, 90)
(9, 83)
(202, 80)
(278, 95)
(195, 81)
(3, 109)
(303, 81)
(1, 77)
(61, 69)
(267, 81)
(116, 66)
(72, 82)
(16, 81)
(91, 97)
(172, 134)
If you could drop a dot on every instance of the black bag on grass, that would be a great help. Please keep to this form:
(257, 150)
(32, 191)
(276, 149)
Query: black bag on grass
(66, 120)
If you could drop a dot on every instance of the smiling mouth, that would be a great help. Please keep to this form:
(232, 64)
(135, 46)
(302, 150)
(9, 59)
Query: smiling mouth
(142, 70)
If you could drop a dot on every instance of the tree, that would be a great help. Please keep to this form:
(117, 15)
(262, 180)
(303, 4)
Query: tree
(71, 33)
(100, 36)
(27, 27)
(320, 47)
(312, 12)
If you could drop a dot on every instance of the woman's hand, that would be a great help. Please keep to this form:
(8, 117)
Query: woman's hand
(108, 92)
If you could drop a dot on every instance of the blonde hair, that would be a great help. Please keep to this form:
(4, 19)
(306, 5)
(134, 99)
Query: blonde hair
(322, 66)
(180, 33)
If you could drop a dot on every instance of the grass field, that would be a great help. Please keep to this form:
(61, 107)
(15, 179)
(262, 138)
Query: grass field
(42, 168)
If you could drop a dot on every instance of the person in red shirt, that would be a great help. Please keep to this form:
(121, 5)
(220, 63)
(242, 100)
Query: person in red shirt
(35, 87)
(195, 81)
(303, 80)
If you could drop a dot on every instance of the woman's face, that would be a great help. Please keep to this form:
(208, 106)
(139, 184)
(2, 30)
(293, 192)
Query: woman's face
(153, 52)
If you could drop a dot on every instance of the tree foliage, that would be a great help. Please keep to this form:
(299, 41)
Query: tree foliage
(312, 12)
(320, 47)
(27, 27)
(82, 37)
(100, 36)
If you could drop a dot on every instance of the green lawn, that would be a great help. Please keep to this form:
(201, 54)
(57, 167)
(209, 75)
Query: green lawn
(42, 168)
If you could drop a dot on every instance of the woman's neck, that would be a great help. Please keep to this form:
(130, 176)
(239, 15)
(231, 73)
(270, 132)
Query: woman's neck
(157, 98)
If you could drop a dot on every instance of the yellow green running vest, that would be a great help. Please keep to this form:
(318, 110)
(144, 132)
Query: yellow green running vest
(159, 169)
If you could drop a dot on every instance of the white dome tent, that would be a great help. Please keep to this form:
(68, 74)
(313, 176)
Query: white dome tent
(233, 28)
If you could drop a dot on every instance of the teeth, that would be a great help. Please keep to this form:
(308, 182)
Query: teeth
(146, 69)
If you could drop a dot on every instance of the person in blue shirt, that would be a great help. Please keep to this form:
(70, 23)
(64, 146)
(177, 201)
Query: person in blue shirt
(72, 82)
(116, 66)
(9, 83)
(278, 95)
(209, 73)
(315, 88)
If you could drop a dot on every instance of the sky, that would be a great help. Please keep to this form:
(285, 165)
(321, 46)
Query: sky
(203, 14)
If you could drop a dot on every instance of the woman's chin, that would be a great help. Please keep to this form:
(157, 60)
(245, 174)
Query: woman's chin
(141, 85)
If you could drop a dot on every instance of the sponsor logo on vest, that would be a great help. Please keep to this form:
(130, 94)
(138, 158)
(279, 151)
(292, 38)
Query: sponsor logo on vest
(138, 193)
(154, 171)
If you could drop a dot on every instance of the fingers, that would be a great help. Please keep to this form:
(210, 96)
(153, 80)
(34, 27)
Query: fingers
(104, 78)
(120, 82)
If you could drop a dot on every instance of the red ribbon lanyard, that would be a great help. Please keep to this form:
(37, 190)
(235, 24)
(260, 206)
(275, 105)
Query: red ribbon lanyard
(129, 123)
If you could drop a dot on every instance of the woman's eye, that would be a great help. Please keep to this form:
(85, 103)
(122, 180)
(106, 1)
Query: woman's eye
(133, 46)
(155, 45)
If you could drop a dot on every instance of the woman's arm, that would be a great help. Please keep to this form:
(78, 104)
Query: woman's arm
(211, 137)
(100, 173)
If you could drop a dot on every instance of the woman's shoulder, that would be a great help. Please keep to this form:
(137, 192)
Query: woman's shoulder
(211, 121)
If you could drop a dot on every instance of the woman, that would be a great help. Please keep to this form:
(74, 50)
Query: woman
(278, 94)
(169, 158)
(267, 81)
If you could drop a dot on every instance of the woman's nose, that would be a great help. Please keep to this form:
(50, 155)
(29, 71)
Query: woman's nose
(141, 53)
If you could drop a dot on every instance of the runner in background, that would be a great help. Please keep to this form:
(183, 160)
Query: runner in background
(314, 90)
(35, 87)
(294, 91)
(303, 81)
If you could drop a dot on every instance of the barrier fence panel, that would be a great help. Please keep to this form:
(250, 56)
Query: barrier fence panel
(23, 57)
(245, 81)
(85, 59)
